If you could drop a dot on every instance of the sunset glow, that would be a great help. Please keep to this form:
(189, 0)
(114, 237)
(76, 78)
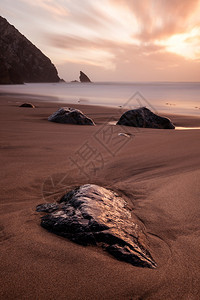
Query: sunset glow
(123, 40)
(185, 44)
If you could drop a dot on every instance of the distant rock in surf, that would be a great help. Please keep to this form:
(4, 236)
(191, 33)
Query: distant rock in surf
(93, 215)
(83, 77)
(20, 60)
(143, 117)
(27, 105)
(67, 115)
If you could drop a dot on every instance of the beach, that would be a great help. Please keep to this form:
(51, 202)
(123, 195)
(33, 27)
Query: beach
(156, 171)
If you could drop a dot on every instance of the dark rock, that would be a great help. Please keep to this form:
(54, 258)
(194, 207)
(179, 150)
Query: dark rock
(143, 117)
(27, 105)
(70, 116)
(74, 81)
(83, 77)
(94, 215)
(20, 60)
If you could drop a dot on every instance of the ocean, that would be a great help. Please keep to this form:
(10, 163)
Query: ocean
(161, 97)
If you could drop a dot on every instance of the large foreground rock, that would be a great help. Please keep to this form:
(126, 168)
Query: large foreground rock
(83, 77)
(70, 116)
(143, 117)
(94, 215)
(20, 60)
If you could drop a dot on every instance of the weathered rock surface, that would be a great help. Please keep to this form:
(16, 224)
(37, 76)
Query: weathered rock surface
(47, 207)
(143, 117)
(20, 60)
(83, 77)
(94, 215)
(70, 116)
(27, 105)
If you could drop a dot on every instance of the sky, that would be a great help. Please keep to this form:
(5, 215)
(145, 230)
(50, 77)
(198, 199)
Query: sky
(113, 40)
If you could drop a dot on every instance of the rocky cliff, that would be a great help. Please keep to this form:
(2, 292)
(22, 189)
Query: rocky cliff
(20, 60)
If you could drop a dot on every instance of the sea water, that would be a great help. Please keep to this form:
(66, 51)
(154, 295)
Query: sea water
(165, 97)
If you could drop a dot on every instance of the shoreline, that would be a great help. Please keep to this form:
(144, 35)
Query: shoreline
(177, 98)
(180, 120)
(157, 173)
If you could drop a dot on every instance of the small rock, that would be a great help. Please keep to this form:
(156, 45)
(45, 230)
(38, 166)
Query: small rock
(128, 135)
(27, 105)
(67, 115)
(143, 117)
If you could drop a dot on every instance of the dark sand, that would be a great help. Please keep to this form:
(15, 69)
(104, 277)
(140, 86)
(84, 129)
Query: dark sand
(157, 171)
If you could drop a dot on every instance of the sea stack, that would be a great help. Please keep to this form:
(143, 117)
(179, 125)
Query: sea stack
(20, 60)
(83, 77)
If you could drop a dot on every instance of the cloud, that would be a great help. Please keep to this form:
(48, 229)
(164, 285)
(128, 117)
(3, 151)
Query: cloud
(160, 19)
(122, 61)
(109, 27)
(88, 15)
(50, 6)
(132, 66)
(131, 37)
(75, 42)
(93, 49)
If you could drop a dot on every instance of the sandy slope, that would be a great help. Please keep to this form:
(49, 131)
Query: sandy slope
(156, 170)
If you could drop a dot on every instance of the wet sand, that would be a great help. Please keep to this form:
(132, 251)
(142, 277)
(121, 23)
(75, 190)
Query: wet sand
(157, 171)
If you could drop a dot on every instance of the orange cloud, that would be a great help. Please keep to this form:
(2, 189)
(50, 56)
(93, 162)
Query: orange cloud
(137, 39)
(108, 48)
(159, 19)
